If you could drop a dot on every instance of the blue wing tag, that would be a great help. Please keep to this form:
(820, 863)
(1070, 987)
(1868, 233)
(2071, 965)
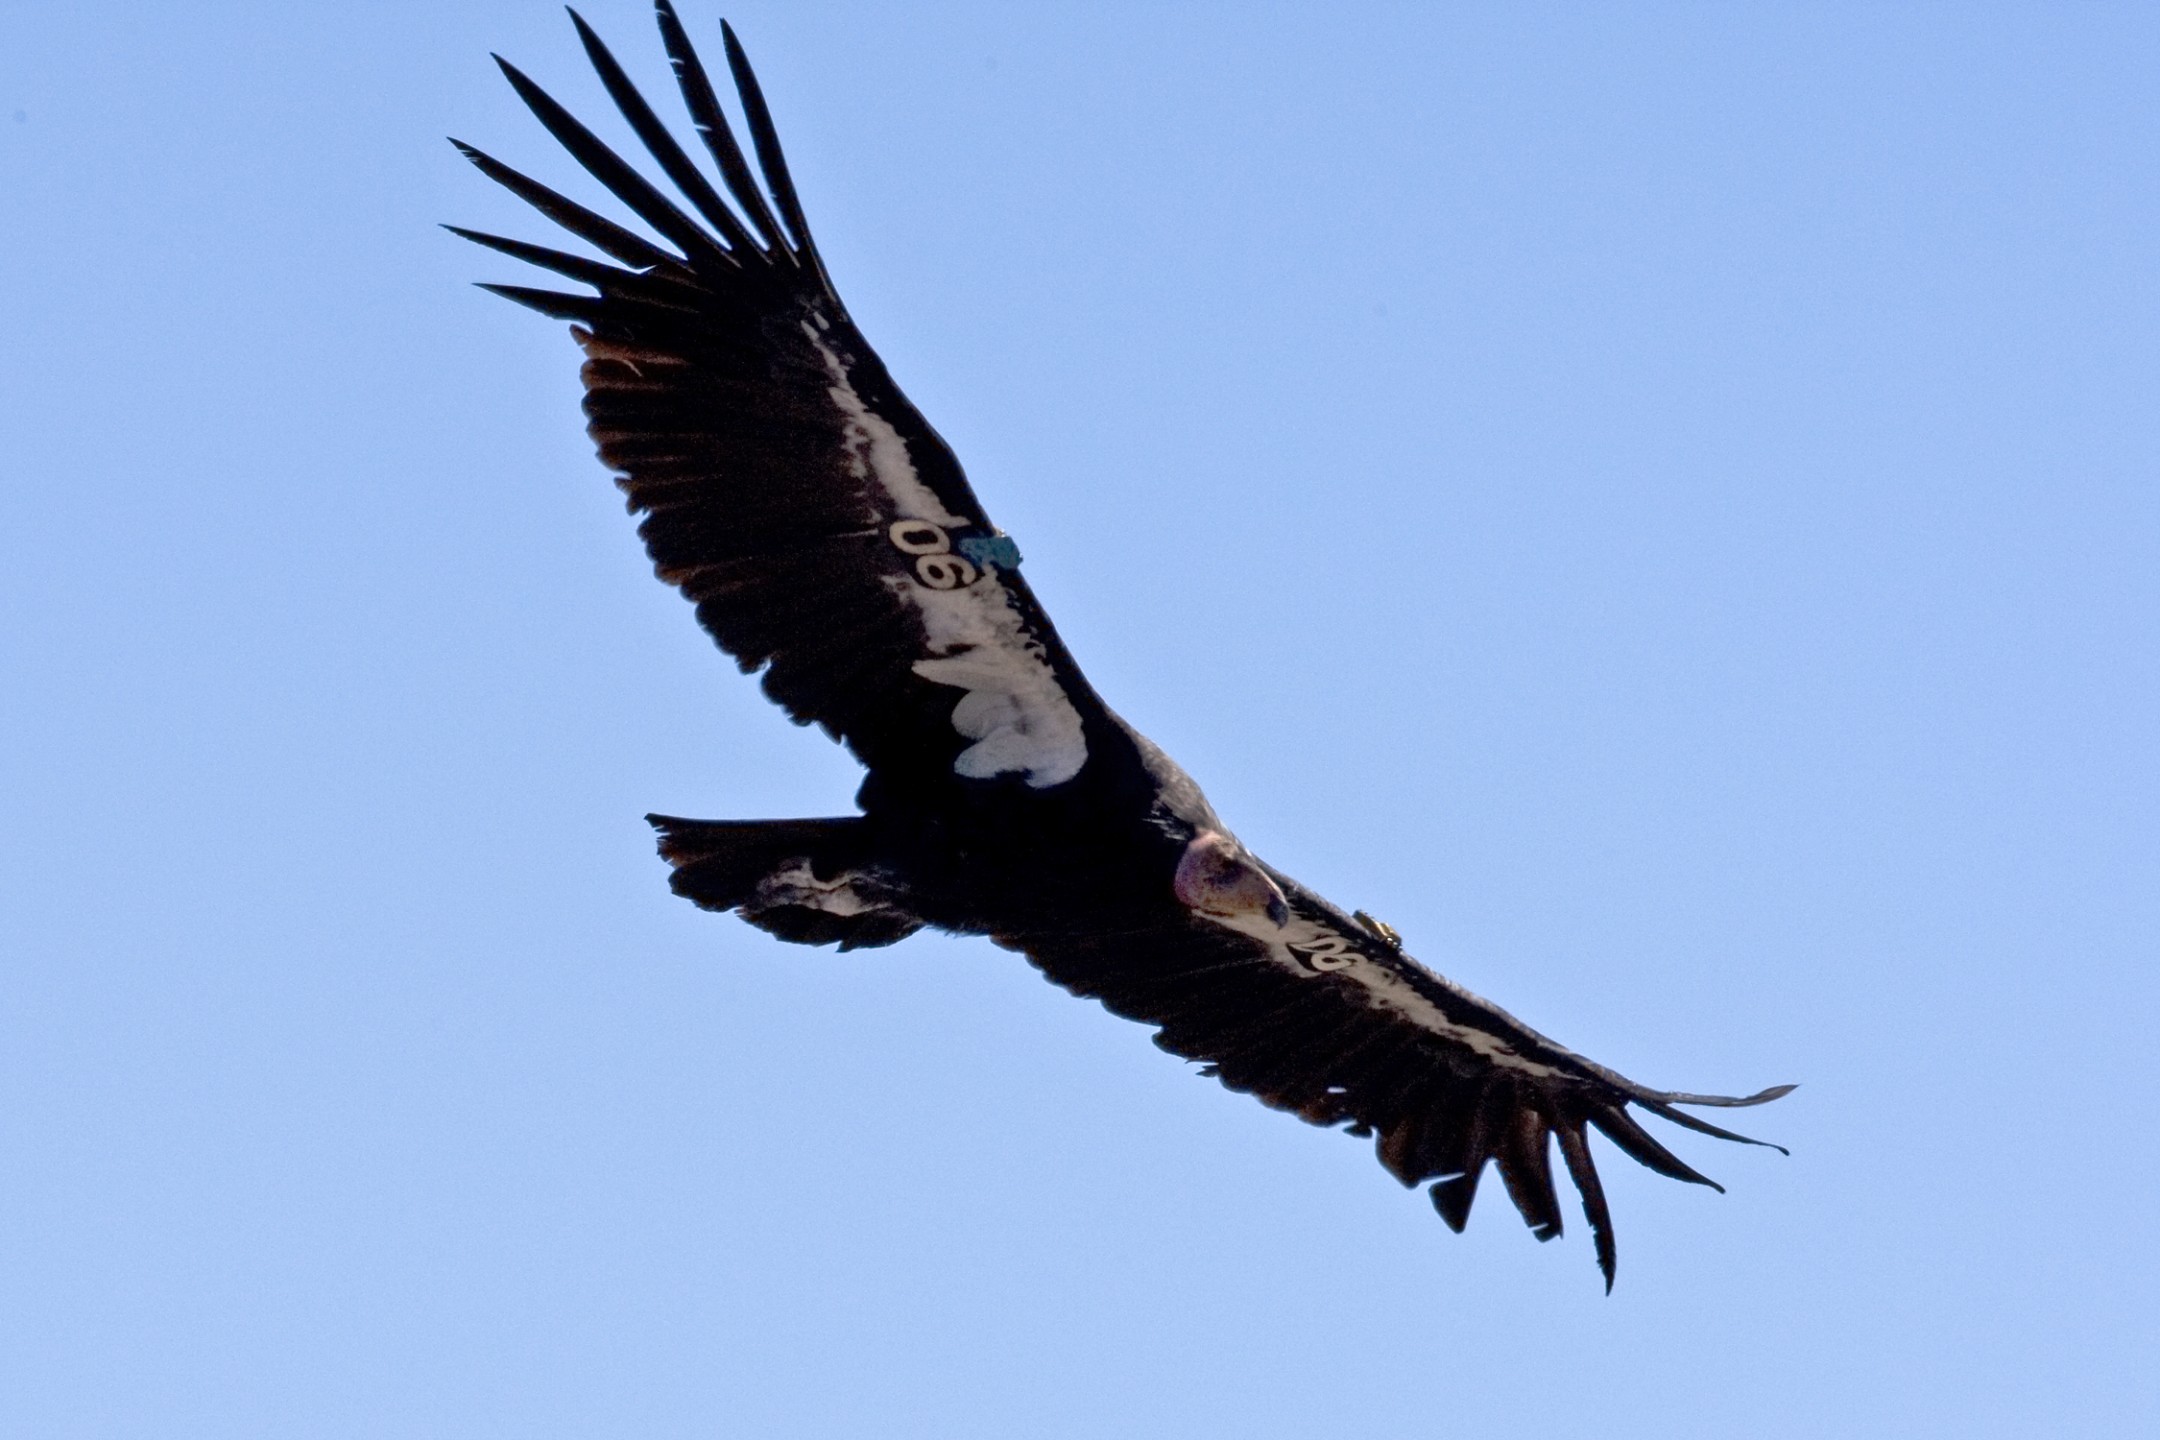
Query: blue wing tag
(989, 550)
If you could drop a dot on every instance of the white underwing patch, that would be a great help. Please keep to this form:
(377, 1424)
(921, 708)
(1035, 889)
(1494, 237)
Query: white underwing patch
(1313, 950)
(1014, 709)
(877, 452)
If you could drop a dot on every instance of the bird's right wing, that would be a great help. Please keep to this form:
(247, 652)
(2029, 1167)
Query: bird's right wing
(1325, 1016)
(822, 528)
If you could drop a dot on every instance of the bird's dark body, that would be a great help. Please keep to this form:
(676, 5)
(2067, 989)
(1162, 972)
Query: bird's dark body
(995, 858)
(830, 542)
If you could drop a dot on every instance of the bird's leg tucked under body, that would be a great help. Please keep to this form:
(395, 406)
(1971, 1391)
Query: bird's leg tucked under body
(812, 882)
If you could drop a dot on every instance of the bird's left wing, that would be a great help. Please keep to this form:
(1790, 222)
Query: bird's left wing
(1324, 1015)
(824, 531)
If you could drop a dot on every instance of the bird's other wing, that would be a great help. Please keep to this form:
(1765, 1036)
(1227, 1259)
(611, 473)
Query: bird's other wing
(789, 490)
(1326, 1017)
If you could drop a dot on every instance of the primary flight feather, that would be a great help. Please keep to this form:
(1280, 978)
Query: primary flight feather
(829, 540)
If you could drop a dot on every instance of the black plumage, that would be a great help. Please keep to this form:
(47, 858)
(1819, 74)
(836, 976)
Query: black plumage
(830, 542)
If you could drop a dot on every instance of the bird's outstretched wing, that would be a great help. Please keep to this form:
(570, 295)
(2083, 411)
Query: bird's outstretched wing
(1325, 1016)
(790, 491)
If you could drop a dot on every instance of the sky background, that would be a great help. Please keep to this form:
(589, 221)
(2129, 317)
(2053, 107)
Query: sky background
(1657, 502)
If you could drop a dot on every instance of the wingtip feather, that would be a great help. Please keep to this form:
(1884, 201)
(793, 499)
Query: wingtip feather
(1575, 1152)
(1453, 1195)
(552, 303)
(1728, 1102)
(765, 140)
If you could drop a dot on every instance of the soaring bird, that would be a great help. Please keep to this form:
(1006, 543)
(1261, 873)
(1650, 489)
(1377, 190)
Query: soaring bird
(829, 541)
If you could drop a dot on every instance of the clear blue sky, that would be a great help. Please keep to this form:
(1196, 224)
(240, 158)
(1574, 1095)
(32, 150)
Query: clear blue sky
(1657, 502)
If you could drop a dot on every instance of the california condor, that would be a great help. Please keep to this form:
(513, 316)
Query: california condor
(829, 540)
